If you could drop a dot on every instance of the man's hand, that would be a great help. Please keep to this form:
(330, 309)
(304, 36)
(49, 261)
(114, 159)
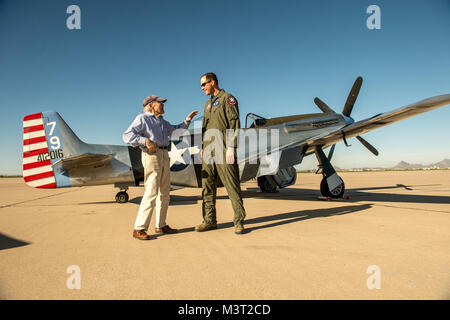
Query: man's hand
(191, 115)
(151, 146)
(230, 155)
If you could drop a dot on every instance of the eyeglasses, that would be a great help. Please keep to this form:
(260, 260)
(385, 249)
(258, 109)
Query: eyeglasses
(204, 83)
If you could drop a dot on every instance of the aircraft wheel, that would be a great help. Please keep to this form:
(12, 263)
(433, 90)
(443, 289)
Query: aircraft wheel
(122, 197)
(337, 192)
(266, 185)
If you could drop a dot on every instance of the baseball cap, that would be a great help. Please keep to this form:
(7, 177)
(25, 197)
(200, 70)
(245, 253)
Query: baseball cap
(151, 98)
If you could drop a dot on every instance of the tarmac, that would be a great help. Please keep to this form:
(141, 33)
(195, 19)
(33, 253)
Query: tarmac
(389, 240)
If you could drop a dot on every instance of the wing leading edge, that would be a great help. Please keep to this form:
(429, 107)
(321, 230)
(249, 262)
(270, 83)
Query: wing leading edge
(381, 120)
(358, 128)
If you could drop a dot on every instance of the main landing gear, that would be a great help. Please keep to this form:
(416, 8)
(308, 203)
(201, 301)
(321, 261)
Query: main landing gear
(283, 178)
(336, 193)
(266, 184)
(332, 185)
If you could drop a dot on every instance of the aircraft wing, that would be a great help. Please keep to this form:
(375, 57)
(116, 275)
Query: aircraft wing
(297, 149)
(381, 120)
(85, 159)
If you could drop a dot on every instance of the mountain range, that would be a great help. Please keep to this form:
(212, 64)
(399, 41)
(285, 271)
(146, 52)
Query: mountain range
(402, 165)
(438, 165)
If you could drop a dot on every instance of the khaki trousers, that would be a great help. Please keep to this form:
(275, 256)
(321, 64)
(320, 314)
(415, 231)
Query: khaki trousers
(157, 189)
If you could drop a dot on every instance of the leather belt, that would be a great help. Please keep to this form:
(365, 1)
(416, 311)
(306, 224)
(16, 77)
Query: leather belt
(147, 151)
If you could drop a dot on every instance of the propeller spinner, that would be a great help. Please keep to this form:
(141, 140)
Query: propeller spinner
(348, 107)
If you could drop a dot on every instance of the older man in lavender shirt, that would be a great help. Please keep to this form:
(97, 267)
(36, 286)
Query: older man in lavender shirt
(151, 133)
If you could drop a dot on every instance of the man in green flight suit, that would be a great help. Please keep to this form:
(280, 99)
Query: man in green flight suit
(221, 114)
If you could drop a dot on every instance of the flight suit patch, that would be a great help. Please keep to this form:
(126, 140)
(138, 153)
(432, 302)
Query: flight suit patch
(232, 100)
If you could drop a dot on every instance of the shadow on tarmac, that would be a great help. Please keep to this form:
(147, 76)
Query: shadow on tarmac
(354, 195)
(302, 194)
(288, 217)
(293, 193)
(9, 243)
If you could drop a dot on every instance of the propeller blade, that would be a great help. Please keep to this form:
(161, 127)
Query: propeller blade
(352, 97)
(323, 106)
(330, 154)
(367, 145)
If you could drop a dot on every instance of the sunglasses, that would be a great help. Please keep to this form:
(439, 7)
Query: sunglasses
(204, 83)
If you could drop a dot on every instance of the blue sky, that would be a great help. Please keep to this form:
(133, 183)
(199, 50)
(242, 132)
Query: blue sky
(274, 56)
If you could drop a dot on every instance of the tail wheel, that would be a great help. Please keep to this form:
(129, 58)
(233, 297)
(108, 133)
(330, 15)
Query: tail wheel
(266, 185)
(122, 197)
(337, 192)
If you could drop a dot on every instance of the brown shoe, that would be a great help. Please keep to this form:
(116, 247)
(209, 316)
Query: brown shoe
(166, 229)
(141, 235)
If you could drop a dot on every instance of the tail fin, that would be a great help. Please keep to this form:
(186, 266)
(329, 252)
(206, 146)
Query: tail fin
(43, 135)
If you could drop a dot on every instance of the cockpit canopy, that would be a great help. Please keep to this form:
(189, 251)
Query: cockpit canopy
(255, 121)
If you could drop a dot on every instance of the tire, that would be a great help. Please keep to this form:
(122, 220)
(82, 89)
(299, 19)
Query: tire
(336, 193)
(265, 185)
(122, 197)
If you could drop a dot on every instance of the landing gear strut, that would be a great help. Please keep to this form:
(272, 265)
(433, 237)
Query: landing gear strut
(331, 185)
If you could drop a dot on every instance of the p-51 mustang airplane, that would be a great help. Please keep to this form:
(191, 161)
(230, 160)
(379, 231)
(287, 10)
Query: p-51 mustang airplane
(54, 157)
